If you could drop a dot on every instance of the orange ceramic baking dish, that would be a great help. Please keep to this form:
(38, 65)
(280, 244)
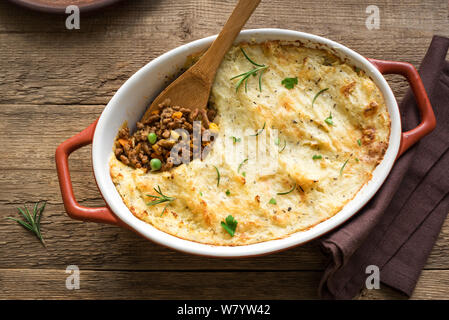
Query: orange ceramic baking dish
(130, 101)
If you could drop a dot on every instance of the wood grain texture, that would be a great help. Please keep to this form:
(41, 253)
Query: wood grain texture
(48, 64)
(94, 284)
(55, 82)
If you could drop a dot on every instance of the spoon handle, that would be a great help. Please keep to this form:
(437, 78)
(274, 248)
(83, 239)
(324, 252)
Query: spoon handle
(209, 63)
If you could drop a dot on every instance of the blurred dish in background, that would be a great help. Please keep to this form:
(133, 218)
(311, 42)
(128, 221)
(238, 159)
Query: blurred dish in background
(59, 6)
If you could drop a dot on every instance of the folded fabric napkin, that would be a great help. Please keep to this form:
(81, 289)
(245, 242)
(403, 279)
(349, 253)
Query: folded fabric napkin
(397, 229)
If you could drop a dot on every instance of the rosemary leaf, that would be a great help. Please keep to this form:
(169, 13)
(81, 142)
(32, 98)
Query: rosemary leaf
(260, 79)
(344, 165)
(161, 198)
(260, 131)
(287, 192)
(241, 164)
(285, 144)
(32, 221)
(248, 58)
(218, 176)
(318, 94)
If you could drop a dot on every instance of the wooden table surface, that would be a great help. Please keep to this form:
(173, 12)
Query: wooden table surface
(54, 82)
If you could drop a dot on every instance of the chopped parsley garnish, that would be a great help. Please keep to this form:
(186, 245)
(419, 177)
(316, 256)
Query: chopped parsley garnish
(230, 224)
(318, 94)
(245, 76)
(289, 83)
(218, 176)
(359, 142)
(317, 157)
(287, 192)
(235, 139)
(260, 131)
(228, 192)
(244, 173)
(272, 201)
(329, 120)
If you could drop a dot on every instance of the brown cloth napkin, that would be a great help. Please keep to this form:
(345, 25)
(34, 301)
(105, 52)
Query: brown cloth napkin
(397, 229)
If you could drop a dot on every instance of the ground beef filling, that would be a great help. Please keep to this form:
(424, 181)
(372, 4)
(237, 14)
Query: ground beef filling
(137, 150)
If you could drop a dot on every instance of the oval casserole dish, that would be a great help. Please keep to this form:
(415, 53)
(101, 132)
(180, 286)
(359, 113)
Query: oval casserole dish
(130, 101)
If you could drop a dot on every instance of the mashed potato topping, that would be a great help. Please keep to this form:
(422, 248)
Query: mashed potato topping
(327, 125)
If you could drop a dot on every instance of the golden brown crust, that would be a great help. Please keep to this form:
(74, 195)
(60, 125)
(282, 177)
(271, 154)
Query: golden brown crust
(328, 162)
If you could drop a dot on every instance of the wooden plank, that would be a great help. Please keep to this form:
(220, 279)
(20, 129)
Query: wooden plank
(106, 247)
(50, 284)
(95, 284)
(55, 82)
(432, 284)
(46, 64)
(98, 246)
(211, 14)
(37, 130)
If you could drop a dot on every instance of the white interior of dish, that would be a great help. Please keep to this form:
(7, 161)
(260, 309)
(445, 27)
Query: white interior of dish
(131, 100)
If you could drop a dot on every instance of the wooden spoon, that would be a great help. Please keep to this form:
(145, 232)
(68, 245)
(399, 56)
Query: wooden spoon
(192, 89)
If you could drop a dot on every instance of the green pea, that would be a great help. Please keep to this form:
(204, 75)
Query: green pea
(152, 138)
(155, 164)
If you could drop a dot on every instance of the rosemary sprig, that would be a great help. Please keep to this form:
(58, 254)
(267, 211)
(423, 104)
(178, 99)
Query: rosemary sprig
(161, 198)
(245, 76)
(32, 222)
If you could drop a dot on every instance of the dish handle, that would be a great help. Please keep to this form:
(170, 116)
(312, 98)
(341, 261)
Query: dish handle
(428, 121)
(72, 207)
